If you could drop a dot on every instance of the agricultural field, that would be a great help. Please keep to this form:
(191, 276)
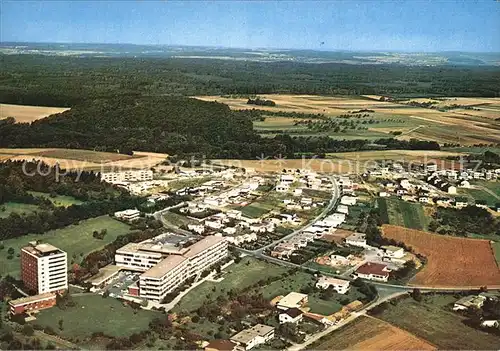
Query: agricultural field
(75, 159)
(59, 200)
(256, 209)
(367, 333)
(26, 114)
(403, 213)
(451, 261)
(15, 207)
(432, 319)
(80, 321)
(76, 240)
(480, 194)
(345, 162)
(443, 124)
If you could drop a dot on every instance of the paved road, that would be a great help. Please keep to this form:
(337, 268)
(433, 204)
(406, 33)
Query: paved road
(328, 208)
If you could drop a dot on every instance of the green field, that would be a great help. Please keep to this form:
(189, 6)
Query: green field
(403, 213)
(59, 200)
(88, 317)
(433, 320)
(496, 251)
(76, 240)
(15, 207)
(255, 210)
(250, 271)
(479, 194)
(238, 276)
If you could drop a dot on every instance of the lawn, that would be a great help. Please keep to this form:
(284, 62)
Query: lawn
(88, 316)
(15, 207)
(433, 320)
(406, 214)
(237, 276)
(479, 194)
(254, 210)
(59, 200)
(496, 251)
(76, 240)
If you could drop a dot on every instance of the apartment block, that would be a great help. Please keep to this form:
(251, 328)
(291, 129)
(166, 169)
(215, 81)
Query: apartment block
(127, 176)
(167, 266)
(32, 303)
(44, 268)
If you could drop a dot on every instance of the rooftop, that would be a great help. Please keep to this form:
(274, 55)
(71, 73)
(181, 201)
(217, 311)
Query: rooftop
(392, 248)
(202, 245)
(247, 335)
(293, 299)
(221, 344)
(294, 312)
(335, 281)
(357, 237)
(373, 268)
(29, 299)
(164, 266)
(41, 249)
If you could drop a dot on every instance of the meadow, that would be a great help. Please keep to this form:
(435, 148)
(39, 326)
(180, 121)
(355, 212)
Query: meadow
(15, 207)
(76, 240)
(473, 123)
(432, 319)
(403, 213)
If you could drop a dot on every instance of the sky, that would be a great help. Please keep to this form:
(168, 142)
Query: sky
(415, 26)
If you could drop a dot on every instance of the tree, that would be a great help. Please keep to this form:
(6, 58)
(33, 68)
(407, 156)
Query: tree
(60, 323)
(416, 295)
(28, 330)
(10, 251)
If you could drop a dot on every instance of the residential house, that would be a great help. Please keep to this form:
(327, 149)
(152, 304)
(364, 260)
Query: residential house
(292, 300)
(393, 251)
(220, 345)
(373, 271)
(282, 187)
(464, 184)
(348, 200)
(475, 301)
(256, 335)
(291, 315)
(356, 239)
(318, 319)
(339, 285)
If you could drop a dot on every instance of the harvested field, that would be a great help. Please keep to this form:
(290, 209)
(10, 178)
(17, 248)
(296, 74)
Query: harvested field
(464, 126)
(346, 162)
(25, 113)
(367, 333)
(85, 159)
(451, 261)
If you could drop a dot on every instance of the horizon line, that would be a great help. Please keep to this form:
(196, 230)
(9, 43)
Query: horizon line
(254, 48)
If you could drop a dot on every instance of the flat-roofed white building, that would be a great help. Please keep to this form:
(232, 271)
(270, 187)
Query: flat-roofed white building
(127, 176)
(163, 278)
(128, 215)
(44, 268)
(166, 266)
(339, 285)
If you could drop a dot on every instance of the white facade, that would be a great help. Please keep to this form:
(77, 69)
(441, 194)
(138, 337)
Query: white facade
(51, 267)
(128, 215)
(53, 273)
(339, 285)
(127, 176)
(356, 239)
(164, 269)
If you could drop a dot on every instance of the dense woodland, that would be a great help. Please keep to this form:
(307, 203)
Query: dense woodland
(175, 125)
(15, 185)
(66, 81)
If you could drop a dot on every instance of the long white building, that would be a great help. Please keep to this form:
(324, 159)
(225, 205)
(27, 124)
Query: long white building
(44, 268)
(127, 176)
(166, 267)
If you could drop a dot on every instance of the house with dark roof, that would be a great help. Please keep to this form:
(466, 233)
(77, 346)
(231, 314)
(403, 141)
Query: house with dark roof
(373, 271)
(291, 315)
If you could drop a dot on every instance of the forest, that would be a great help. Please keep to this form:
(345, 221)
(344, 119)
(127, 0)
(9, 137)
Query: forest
(66, 81)
(16, 185)
(174, 125)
